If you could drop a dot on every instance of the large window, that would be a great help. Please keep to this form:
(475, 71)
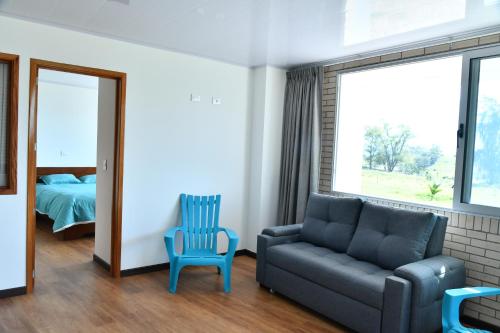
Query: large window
(8, 122)
(426, 132)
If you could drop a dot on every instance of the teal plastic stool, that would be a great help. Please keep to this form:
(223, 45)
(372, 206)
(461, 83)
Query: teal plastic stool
(451, 307)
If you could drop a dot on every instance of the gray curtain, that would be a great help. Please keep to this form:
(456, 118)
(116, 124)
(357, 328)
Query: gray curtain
(300, 143)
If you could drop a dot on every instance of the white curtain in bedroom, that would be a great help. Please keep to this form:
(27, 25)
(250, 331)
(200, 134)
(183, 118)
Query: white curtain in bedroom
(4, 104)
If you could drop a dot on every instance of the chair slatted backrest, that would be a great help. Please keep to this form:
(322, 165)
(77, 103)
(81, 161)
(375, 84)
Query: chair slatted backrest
(200, 222)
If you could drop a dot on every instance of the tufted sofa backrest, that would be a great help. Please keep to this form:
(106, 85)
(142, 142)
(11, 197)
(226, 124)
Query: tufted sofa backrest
(330, 222)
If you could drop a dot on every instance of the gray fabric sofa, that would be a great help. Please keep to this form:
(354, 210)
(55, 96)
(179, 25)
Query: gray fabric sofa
(371, 268)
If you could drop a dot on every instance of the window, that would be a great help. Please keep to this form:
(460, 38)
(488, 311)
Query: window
(398, 140)
(480, 119)
(8, 122)
(426, 132)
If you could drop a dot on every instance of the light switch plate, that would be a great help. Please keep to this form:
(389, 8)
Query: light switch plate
(195, 98)
(216, 100)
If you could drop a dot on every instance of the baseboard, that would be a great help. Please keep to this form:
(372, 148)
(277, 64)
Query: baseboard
(98, 260)
(12, 292)
(144, 269)
(476, 323)
(161, 267)
(245, 252)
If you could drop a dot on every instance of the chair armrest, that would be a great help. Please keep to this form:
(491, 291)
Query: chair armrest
(172, 231)
(230, 233)
(233, 242)
(432, 276)
(283, 230)
(169, 241)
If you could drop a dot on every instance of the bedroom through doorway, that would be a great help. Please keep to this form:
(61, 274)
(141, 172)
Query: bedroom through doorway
(75, 172)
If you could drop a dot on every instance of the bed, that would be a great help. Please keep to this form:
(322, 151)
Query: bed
(69, 207)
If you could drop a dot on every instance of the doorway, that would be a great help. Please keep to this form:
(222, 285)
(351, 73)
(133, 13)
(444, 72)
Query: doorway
(115, 85)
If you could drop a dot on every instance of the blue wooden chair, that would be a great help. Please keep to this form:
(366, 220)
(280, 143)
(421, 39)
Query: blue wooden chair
(200, 226)
(451, 307)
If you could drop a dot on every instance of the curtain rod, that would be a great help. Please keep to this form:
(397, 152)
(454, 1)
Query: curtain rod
(403, 47)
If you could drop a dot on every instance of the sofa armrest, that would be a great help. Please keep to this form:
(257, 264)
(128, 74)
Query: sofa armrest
(397, 305)
(263, 243)
(429, 279)
(283, 230)
(432, 276)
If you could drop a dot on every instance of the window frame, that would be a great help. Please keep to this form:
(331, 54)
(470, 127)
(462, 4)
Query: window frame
(469, 122)
(467, 56)
(12, 128)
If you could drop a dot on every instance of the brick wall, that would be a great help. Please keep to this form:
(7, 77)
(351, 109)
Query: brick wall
(472, 238)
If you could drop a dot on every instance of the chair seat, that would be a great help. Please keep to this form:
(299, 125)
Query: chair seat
(339, 272)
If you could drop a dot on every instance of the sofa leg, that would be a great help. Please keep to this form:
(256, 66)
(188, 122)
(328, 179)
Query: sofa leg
(266, 287)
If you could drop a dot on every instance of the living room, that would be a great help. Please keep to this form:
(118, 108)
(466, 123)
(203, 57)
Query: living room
(339, 162)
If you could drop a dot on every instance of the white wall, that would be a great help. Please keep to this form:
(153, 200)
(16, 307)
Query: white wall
(105, 166)
(267, 118)
(258, 106)
(171, 144)
(67, 120)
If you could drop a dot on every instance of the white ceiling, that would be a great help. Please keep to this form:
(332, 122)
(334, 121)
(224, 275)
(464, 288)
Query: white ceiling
(256, 32)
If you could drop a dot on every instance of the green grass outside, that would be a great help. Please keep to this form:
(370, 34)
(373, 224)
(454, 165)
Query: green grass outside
(413, 188)
(403, 187)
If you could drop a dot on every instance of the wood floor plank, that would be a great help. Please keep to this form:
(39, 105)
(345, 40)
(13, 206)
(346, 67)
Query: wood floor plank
(73, 294)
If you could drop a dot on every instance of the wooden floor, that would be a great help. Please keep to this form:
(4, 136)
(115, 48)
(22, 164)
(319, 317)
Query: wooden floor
(73, 294)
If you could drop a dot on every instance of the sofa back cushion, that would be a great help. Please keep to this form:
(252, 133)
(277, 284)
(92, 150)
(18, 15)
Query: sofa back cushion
(330, 222)
(390, 237)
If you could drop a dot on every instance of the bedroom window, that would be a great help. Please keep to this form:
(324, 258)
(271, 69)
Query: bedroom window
(426, 132)
(8, 122)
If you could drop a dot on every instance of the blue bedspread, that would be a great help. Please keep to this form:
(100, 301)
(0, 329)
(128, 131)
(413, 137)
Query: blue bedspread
(66, 204)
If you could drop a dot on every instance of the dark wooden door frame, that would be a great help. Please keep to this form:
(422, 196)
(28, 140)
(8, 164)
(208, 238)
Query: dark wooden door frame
(116, 215)
(12, 114)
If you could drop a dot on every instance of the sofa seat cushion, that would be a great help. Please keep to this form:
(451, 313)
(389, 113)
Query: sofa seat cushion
(391, 237)
(339, 272)
(330, 222)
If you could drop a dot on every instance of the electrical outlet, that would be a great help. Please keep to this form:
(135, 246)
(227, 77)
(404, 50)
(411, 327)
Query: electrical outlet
(195, 98)
(216, 100)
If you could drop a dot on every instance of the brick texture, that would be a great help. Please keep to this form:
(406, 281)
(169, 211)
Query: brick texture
(472, 238)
